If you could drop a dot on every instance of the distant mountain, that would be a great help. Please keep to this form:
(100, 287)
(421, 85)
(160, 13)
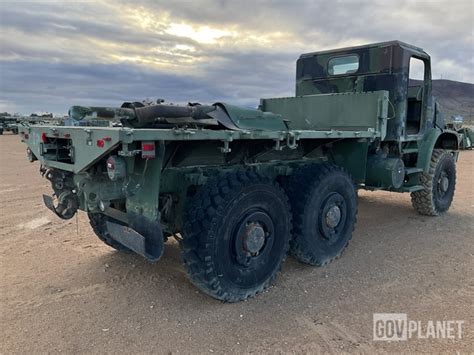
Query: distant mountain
(456, 98)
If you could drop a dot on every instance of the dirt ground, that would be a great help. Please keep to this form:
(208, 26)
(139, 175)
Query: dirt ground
(63, 290)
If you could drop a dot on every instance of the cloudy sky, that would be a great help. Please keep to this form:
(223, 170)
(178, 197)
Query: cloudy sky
(54, 54)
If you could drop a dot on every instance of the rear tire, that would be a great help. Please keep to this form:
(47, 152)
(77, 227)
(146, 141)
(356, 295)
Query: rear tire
(236, 235)
(99, 226)
(439, 184)
(324, 204)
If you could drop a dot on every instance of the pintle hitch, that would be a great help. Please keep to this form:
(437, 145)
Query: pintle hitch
(64, 202)
(66, 206)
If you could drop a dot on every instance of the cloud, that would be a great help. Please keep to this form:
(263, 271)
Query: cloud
(55, 54)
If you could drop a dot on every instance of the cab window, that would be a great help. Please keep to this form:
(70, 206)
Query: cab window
(343, 65)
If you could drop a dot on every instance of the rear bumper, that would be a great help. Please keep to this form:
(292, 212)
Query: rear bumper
(72, 149)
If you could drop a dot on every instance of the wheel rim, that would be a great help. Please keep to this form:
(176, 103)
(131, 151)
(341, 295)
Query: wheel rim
(332, 217)
(252, 237)
(443, 183)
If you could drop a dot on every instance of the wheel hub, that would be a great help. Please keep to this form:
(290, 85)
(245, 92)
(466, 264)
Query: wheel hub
(444, 183)
(333, 216)
(254, 238)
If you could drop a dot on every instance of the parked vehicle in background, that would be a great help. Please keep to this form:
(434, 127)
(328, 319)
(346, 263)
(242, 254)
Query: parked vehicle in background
(466, 133)
(8, 123)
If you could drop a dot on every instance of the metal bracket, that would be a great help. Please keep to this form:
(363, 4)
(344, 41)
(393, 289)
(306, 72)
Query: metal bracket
(278, 145)
(89, 136)
(183, 131)
(196, 178)
(291, 140)
(128, 153)
(225, 148)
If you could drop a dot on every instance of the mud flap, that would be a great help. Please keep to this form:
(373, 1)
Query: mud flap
(151, 248)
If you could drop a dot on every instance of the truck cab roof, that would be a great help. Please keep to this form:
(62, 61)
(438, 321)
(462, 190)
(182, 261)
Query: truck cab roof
(394, 43)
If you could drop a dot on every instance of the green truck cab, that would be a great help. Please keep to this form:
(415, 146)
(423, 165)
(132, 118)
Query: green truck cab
(239, 188)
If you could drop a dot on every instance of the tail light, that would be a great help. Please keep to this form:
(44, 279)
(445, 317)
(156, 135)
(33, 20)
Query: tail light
(148, 150)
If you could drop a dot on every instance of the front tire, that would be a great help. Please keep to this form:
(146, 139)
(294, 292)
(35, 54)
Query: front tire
(236, 235)
(324, 205)
(439, 184)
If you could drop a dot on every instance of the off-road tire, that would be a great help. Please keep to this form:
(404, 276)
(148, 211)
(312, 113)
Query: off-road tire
(99, 226)
(217, 217)
(430, 201)
(313, 190)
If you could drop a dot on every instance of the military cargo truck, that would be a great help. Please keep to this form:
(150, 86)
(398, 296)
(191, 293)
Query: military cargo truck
(239, 187)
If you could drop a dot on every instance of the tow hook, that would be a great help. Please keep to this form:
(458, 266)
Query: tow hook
(67, 204)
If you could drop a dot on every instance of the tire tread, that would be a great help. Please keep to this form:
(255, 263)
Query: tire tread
(205, 208)
(301, 184)
(423, 200)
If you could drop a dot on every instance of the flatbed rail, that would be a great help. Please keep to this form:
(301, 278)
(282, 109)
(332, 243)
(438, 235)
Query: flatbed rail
(95, 142)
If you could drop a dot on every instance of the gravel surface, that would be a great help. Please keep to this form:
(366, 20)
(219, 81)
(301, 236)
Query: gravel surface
(63, 290)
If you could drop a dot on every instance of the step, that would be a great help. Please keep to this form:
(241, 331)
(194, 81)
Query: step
(411, 171)
(409, 150)
(410, 188)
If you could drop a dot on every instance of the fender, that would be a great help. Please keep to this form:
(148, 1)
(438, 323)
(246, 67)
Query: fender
(435, 138)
